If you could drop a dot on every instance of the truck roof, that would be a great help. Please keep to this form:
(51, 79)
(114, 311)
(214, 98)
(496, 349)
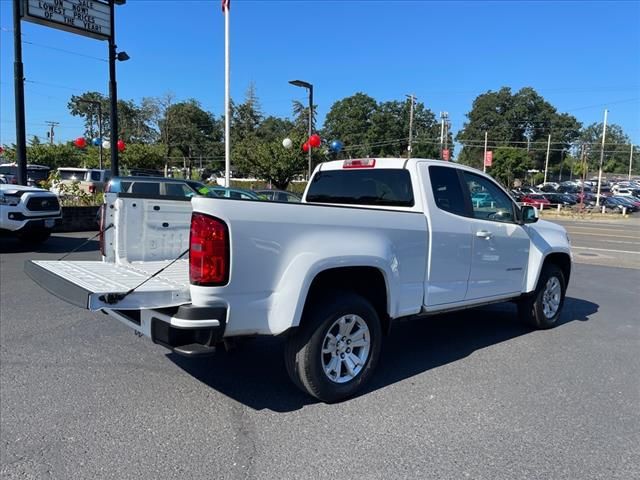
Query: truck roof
(388, 163)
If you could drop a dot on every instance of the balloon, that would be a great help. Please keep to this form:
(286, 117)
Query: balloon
(106, 144)
(96, 141)
(315, 140)
(121, 146)
(335, 145)
(305, 147)
(286, 143)
(80, 142)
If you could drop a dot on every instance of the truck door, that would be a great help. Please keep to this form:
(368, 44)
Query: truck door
(449, 256)
(500, 244)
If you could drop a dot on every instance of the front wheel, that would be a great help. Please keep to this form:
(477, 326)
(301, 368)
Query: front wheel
(543, 308)
(333, 354)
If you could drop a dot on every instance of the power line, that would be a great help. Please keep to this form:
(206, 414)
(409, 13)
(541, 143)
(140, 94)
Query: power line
(70, 52)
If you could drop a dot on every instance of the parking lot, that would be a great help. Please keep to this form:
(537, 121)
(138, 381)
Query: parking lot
(465, 395)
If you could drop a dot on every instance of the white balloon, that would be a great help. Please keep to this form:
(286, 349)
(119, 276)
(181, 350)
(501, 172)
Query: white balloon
(286, 143)
(106, 144)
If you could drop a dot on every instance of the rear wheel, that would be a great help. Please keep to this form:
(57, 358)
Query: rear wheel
(333, 354)
(543, 308)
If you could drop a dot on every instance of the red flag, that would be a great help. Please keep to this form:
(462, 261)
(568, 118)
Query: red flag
(225, 5)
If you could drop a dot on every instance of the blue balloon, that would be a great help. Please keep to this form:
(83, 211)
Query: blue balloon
(336, 145)
(96, 141)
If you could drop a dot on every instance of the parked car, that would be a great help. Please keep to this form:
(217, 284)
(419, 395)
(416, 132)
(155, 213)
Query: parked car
(237, 193)
(616, 205)
(35, 173)
(89, 180)
(30, 213)
(559, 199)
(279, 195)
(633, 202)
(536, 200)
(156, 186)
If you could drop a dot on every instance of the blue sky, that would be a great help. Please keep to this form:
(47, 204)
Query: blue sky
(582, 56)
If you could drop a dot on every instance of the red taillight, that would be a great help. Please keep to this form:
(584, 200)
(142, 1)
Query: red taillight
(92, 188)
(208, 251)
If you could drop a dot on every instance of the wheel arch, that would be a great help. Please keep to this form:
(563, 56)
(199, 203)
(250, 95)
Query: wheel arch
(563, 261)
(367, 281)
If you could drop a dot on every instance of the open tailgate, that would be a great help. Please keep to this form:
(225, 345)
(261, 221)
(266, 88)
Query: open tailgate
(95, 285)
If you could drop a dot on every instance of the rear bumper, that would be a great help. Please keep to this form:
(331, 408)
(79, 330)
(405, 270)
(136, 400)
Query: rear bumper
(186, 330)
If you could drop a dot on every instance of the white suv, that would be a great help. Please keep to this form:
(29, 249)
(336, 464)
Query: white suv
(28, 212)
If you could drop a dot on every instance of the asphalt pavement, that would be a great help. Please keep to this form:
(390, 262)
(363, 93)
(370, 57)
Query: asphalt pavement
(604, 242)
(466, 395)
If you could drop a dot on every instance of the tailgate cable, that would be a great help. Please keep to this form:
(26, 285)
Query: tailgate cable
(112, 298)
(84, 243)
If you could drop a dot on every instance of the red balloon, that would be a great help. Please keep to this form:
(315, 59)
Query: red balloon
(80, 142)
(315, 140)
(305, 147)
(121, 146)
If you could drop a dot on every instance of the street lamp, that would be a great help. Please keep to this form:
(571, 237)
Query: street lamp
(308, 86)
(113, 88)
(99, 105)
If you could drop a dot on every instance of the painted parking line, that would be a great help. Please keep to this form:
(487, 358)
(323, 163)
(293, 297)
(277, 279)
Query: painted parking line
(605, 250)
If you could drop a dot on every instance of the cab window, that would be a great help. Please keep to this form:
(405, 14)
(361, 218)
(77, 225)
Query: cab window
(488, 201)
(447, 191)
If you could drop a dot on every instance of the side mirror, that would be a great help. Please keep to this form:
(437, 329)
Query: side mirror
(529, 214)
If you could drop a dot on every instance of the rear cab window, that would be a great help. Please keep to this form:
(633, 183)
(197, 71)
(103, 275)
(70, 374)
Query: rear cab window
(380, 187)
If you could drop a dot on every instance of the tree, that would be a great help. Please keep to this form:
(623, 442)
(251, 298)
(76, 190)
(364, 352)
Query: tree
(520, 120)
(301, 117)
(270, 160)
(616, 148)
(191, 131)
(509, 164)
(350, 120)
(134, 123)
(368, 128)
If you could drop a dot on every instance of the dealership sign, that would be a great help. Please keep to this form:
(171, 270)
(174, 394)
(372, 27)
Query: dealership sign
(90, 18)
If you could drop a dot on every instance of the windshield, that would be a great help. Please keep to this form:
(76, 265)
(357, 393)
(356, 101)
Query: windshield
(77, 175)
(389, 187)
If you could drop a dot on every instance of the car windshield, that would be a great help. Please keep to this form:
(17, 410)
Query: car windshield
(72, 174)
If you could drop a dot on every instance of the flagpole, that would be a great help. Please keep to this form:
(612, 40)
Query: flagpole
(227, 113)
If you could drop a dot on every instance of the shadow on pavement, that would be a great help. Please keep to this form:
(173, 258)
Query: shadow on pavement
(255, 375)
(55, 244)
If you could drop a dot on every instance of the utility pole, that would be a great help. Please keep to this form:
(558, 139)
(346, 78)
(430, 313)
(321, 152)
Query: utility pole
(51, 134)
(604, 134)
(630, 159)
(411, 99)
(583, 163)
(447, 124)
(484, 157)
(441, 135)
(546, 162)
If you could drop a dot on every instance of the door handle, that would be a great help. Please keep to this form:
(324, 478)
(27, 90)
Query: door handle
(484, 234)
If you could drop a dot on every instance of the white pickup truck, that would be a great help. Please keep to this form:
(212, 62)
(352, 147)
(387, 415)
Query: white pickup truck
(374, 240)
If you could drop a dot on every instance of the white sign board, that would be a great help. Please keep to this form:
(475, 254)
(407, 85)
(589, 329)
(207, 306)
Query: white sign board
(85, 17)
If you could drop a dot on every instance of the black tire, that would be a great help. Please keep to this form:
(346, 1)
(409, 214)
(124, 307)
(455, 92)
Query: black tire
(303, 351)
(35, 236)
(532, 309)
